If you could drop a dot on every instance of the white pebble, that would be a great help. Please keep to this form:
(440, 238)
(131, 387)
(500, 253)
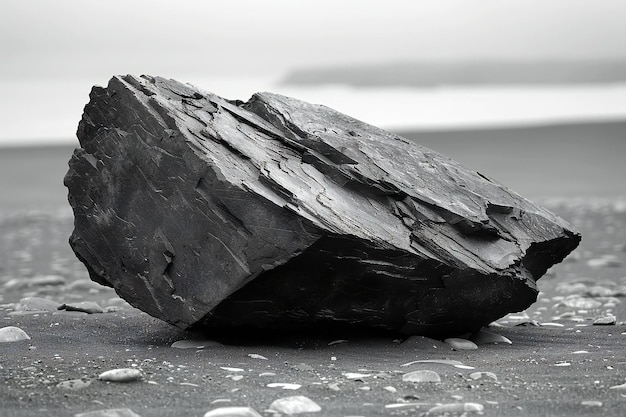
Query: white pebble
(111, 412)
(355, 375)
(295, 405)
(229, 369)
(257, 356)
(233, 412)
(461, 344)
(284, 385)
(480, 375)
(390, 389)
(195, 344)
(120, 375)
(441, 361)
(591, 403)
(13, 334)
(421, 376)
(457, 408)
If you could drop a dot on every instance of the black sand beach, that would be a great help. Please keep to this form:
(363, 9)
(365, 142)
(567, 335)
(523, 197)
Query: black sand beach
(559, 363)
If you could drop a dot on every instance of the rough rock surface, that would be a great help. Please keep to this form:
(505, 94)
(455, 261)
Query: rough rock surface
(275, 213)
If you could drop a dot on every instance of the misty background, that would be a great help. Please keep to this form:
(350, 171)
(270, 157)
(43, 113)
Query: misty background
(530, 92)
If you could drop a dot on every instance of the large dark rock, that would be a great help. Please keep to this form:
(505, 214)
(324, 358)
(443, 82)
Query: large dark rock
(274, 213)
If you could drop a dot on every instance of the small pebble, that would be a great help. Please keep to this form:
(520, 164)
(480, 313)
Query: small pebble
(460, 344)
(620, 387)
(481, 375)
(441, 361)
(336, 342)
(390, 389)
(456, 408)
(233, 412)
(421, 376)
(591, 403)
(88, 307)
(607, 320)
(284, 385)
(333, 386)
(355, 375)
(111, 412)
(256, 356)
(229, 369)
(295, 405)
(12, 334)
(120, 375)
(195, 344)
(74, 384)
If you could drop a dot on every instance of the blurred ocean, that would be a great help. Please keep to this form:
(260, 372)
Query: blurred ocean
(543, 142)
(48, 112)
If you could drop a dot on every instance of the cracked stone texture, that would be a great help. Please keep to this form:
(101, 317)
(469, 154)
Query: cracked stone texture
(276, 213)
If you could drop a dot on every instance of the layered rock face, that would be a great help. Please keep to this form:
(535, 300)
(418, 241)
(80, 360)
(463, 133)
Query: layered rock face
(277, 214)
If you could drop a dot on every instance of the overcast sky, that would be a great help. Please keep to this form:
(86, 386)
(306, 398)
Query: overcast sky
(44, 41)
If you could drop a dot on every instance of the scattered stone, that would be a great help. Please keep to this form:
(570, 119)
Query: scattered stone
(284, 385)
(551, 324)
(235, 377)
(460, 344)
(356, 375)
(256, 356)
(440, 361)
(421, 376)
(111, 412)
(12, 334)
(423, 343)
(456, 408)
(481, 375)
(333, 386)
(263, 374)
(195, 344)
(36, 304)
(563, 364)
(620, 387)
(391, 389)
(484, 337)
(579, 302)
(74, 384)
(233, 412)
(120, 375)
(348, 208)
(229, 369)
(607, 320)
(591, 403)
(88, 307)
(295, 405)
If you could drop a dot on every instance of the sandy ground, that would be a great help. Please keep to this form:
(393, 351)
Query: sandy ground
(559, 363)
